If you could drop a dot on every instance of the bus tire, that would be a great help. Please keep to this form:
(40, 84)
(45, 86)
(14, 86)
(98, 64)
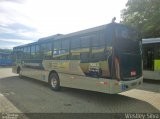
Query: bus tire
(54, 82)
(18, 72)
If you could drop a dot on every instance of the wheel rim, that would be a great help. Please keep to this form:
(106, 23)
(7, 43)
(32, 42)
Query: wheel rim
(53, 82)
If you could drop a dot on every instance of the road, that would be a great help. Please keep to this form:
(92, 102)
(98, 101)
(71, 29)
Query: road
(29, 95)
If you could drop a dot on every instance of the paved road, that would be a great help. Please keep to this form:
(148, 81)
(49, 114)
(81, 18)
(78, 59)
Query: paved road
(28, 95)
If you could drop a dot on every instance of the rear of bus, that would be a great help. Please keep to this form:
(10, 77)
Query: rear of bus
(126, 59)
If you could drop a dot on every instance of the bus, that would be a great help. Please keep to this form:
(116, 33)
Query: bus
(151, 58)
(106, 58)
(5, 59)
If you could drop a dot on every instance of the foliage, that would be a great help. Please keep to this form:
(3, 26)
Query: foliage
(144, 15)
(6, 50)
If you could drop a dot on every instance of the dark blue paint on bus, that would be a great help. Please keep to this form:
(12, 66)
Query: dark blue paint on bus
(5, 59)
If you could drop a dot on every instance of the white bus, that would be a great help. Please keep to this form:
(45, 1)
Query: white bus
(106, 59)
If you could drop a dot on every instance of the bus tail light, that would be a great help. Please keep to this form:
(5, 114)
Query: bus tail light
(133, 73)
(117, 68)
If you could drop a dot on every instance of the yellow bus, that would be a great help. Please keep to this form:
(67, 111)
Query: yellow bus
(106, 58)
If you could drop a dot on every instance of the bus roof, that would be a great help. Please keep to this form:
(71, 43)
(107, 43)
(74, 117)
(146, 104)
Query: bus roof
(83, 31)
(151, 40)
(49, 37)
(61, 36)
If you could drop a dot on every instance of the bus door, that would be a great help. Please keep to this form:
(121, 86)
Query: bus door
(150, 59)
(148, 55)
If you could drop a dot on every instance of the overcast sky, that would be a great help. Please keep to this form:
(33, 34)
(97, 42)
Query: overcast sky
(24, 21)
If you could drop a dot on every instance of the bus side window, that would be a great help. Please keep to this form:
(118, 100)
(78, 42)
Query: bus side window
(42, 49)
(85, 49)
(14, 54)
(85, 42)
(56, 49)
(25, 53)
(37, 52)
(33, 48)
(28, 52)
(48, 51)
(98, 46)
(18, 53)
(109, 36)
(21, 53)
(75, 49)
(64, 53)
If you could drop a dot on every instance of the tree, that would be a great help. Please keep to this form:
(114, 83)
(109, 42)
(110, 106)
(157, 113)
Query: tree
(6, 50)
(144, 15)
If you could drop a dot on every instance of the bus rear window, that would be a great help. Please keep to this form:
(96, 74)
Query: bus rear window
(127, 41)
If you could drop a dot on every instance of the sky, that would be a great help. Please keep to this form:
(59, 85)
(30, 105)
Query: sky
(25, 21)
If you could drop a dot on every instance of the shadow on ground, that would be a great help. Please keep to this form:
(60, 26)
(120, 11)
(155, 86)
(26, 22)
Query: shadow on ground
(150, 85)
(152, 81)
(33, 96)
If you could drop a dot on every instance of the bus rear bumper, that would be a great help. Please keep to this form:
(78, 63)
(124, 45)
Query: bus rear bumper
(121, 86)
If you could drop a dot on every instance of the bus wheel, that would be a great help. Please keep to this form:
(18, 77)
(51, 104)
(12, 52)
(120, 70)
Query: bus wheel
(54, 82)
(18, 72)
